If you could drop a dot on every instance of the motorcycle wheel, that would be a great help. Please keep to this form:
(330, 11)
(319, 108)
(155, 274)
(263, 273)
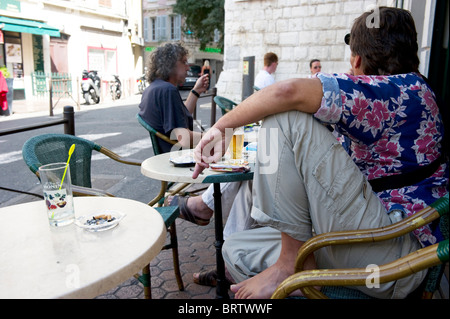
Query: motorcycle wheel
(87, 98)
(97, 100)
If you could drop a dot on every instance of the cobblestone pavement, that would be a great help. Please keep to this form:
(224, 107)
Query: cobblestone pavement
(196, 252)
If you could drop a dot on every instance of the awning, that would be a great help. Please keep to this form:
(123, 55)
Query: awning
(27, 26)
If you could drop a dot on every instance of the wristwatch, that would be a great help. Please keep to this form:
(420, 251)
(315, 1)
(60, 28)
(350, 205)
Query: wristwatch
(195, 93)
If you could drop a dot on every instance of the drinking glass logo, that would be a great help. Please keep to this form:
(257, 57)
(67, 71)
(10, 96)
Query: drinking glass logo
(51, 185)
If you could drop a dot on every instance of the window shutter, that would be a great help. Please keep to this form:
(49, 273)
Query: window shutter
(146, 29)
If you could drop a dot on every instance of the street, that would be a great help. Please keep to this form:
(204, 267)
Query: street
(115, 128)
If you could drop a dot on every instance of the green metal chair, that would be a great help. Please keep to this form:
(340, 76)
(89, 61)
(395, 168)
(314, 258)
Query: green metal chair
(225, 104)
(335, 282)
(53, 148)
(154, 136)
(165, 186)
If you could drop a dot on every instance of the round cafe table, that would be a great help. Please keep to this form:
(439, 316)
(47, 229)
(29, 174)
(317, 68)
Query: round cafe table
(159, 167)
(41, 261)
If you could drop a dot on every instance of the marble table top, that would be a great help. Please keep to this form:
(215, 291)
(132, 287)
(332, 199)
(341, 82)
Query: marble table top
(159, 167)
(40, 261)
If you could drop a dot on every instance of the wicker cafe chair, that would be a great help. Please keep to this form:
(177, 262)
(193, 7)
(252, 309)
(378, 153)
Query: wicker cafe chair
(336, 281)
(225, 104)
(52, 148)
(171, 188)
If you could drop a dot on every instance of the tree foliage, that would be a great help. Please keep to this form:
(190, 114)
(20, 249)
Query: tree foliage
(202, 18)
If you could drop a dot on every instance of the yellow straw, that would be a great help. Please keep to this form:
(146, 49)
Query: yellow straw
(67, 165)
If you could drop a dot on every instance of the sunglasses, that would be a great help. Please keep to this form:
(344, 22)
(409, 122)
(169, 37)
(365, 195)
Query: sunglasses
(347, 39)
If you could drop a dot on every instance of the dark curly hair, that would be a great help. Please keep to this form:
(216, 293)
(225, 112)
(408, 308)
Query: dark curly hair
(388, 48)
(163, 60)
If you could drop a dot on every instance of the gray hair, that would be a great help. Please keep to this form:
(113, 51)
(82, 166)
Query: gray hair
(163, 60)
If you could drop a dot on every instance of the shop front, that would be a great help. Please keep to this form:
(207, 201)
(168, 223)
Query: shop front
(22, 44)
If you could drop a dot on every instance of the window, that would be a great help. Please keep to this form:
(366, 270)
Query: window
(161, 28)
(102, 60)
(158, 28)
(153, 37)
(175, 27)
(147, 29)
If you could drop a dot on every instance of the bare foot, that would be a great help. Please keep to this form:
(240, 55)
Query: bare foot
(262, 285)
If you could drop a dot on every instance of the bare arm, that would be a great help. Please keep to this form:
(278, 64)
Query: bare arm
(200, 86)
(303, 95)
(185, 137)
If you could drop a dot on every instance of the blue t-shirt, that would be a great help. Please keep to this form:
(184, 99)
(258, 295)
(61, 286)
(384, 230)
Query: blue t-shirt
(163, 109)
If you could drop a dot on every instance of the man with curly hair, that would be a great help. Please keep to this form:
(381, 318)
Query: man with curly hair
(162, 106)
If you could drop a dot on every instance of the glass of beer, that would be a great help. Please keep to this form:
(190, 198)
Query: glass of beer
(237, 144)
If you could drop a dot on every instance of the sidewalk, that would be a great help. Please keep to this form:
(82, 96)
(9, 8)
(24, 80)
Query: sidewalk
(196, 252)
(41, 106)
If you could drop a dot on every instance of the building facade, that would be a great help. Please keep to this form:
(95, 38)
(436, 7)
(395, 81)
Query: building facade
(116, 36)
(67, 37)
(300, 30)
(161, 24)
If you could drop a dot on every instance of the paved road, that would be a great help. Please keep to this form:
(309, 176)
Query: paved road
(114, 127)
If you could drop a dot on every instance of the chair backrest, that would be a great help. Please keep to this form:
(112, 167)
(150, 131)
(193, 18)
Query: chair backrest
(225, 104)
(155, 136)
(53, 148)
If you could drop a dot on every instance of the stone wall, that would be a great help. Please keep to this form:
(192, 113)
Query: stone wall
(296, 30)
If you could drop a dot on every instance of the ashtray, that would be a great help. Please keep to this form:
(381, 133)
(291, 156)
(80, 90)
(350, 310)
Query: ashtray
(100, 221)
(183, 161)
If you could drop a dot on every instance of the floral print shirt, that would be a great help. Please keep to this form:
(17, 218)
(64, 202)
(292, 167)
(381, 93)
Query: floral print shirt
(394, 126)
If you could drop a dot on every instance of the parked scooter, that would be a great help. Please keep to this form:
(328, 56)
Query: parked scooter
(91, 87)
(142, 84)
(115, 87)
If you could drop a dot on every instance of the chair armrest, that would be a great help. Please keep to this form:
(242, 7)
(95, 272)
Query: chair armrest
(161, 194)
(165, 138)
(423, 217)
(86, 191)
(400, 268)
(119, 158)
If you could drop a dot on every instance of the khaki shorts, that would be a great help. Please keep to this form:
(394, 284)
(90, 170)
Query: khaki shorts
(316, 186)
